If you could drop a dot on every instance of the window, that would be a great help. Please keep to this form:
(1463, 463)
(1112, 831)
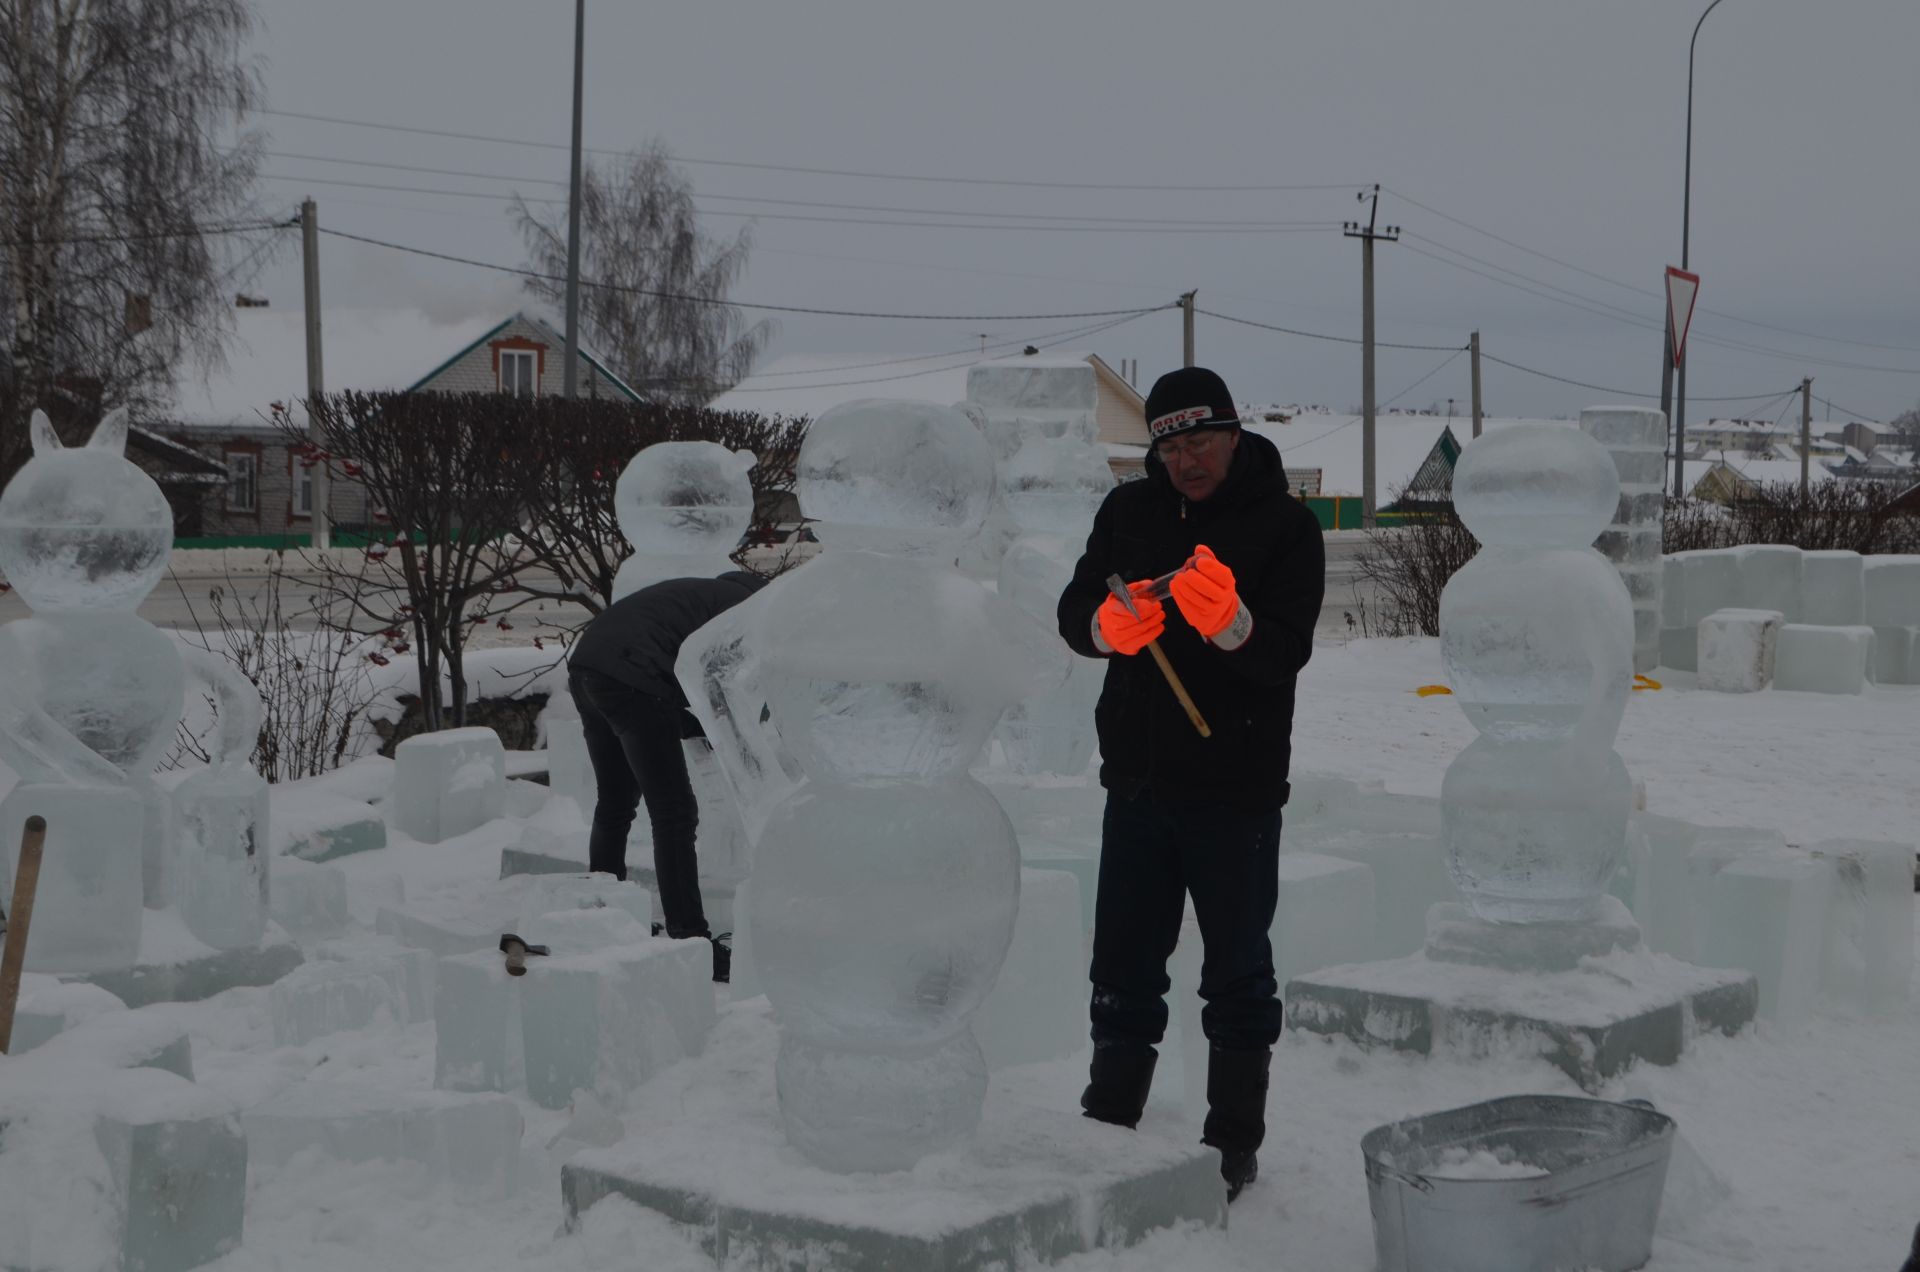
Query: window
(302, 488)
(517, 370)
(243, 481)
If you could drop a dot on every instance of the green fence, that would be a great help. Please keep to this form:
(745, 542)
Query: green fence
(1346, 512)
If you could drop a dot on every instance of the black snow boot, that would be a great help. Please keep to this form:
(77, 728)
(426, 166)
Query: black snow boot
(1236, 1112)
(722, 957)
(1117, 1084)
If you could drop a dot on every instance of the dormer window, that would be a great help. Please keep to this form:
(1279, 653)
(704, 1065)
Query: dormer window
(519, 372)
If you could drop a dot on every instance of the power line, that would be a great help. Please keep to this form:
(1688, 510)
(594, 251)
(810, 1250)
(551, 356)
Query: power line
(1601, 388)
(1864, 419)
(1318, 335)
(825, 172)
(1605, 310)
(1647, 291)
(197, 232)
(799, 203)
(1422, 380)
(742, 304)
(1275, 227)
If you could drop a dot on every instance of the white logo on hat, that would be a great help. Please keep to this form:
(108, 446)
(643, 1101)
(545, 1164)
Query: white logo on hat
(1168, 423)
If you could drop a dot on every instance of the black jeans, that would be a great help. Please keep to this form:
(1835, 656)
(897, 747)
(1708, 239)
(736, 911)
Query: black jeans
(633, 739)
(1153, 853)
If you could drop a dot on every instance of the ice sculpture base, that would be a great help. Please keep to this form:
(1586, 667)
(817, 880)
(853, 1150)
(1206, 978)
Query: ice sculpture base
(174, 967)
(1033, 1186)
(1456, 935)
(1591, 1022)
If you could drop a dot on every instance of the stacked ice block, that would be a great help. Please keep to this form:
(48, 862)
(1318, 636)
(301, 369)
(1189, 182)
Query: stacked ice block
(1636, 439)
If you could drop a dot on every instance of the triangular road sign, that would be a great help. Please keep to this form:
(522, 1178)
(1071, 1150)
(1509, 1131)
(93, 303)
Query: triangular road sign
(1682, 288)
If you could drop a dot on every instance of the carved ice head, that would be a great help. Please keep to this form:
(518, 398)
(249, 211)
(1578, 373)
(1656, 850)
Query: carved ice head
(895, 476)
(1536, 485)
(685, 497)
(83, 529)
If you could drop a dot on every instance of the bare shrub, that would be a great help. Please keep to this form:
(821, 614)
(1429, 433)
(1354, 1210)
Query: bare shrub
(1409, 565)
(315, 679)
(1853, 516)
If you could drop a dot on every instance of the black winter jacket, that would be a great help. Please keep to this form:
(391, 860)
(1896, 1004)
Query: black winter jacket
(1272, 544)
(636, 639)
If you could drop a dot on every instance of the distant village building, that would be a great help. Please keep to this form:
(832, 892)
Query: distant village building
(241, 479)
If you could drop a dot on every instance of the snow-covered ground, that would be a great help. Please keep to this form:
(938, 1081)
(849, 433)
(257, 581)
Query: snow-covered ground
(1815, 1131)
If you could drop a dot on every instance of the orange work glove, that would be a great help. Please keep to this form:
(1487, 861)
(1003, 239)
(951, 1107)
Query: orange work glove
(1205, 593)
(1121, 630)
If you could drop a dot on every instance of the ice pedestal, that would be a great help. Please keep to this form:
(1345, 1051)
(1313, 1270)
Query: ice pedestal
(320, 998)
(603, 1021)
(1591, 1021)
(1823, 659)
(1695, 584)
(448, 783)
(1035, 1184)
(470, 1142)
(173, 966)
(1037, 1009)
(1736, 650)
(1896, 655)
(1868, 960)
(87, 909)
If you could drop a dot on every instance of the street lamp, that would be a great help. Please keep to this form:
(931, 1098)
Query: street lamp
(1679, 403)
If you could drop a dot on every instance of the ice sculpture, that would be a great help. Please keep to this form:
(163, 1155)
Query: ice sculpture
(91, 691)
(683, 506)
(1053, 477)
(1537, 635)
(886, 879)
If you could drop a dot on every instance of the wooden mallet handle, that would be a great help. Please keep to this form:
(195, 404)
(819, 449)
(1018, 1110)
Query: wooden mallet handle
(1118, 587)
(26, 877)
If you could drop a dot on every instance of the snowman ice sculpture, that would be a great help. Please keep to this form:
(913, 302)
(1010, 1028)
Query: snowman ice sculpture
(1052, 486)
(885, 877)
(683, 506)
(1537, 635)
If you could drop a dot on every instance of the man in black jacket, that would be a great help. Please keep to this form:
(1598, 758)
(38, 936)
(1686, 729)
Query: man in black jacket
(1186, 814)
(634, 715)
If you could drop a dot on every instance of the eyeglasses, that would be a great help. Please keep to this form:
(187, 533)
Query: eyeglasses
(1197, 443)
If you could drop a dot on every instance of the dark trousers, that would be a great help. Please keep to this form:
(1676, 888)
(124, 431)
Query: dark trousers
(1153, 855)
(633, 740)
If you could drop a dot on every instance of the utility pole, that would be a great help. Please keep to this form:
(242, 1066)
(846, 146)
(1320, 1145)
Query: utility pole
(1367, 236)
(320, 521)
(1806, 430)
(1186, 328)
(1666, 409)
(1473, 348)
(571, 380)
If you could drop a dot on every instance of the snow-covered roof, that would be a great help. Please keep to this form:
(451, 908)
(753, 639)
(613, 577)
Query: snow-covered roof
(366, 349)
(1331, 443)
(806, 384)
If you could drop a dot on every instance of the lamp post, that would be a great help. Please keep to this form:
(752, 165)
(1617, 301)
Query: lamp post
(1679, 413)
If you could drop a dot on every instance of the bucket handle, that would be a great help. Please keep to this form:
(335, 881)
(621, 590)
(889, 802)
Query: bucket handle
(1420, 1182)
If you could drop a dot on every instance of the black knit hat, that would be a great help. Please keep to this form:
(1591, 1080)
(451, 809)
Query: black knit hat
(1190, 398)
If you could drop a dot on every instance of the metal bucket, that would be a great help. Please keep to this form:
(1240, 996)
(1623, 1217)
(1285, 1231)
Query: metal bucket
(1594, 1206)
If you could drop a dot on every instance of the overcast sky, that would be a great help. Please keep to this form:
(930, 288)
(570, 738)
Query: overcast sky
(1552, 124)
